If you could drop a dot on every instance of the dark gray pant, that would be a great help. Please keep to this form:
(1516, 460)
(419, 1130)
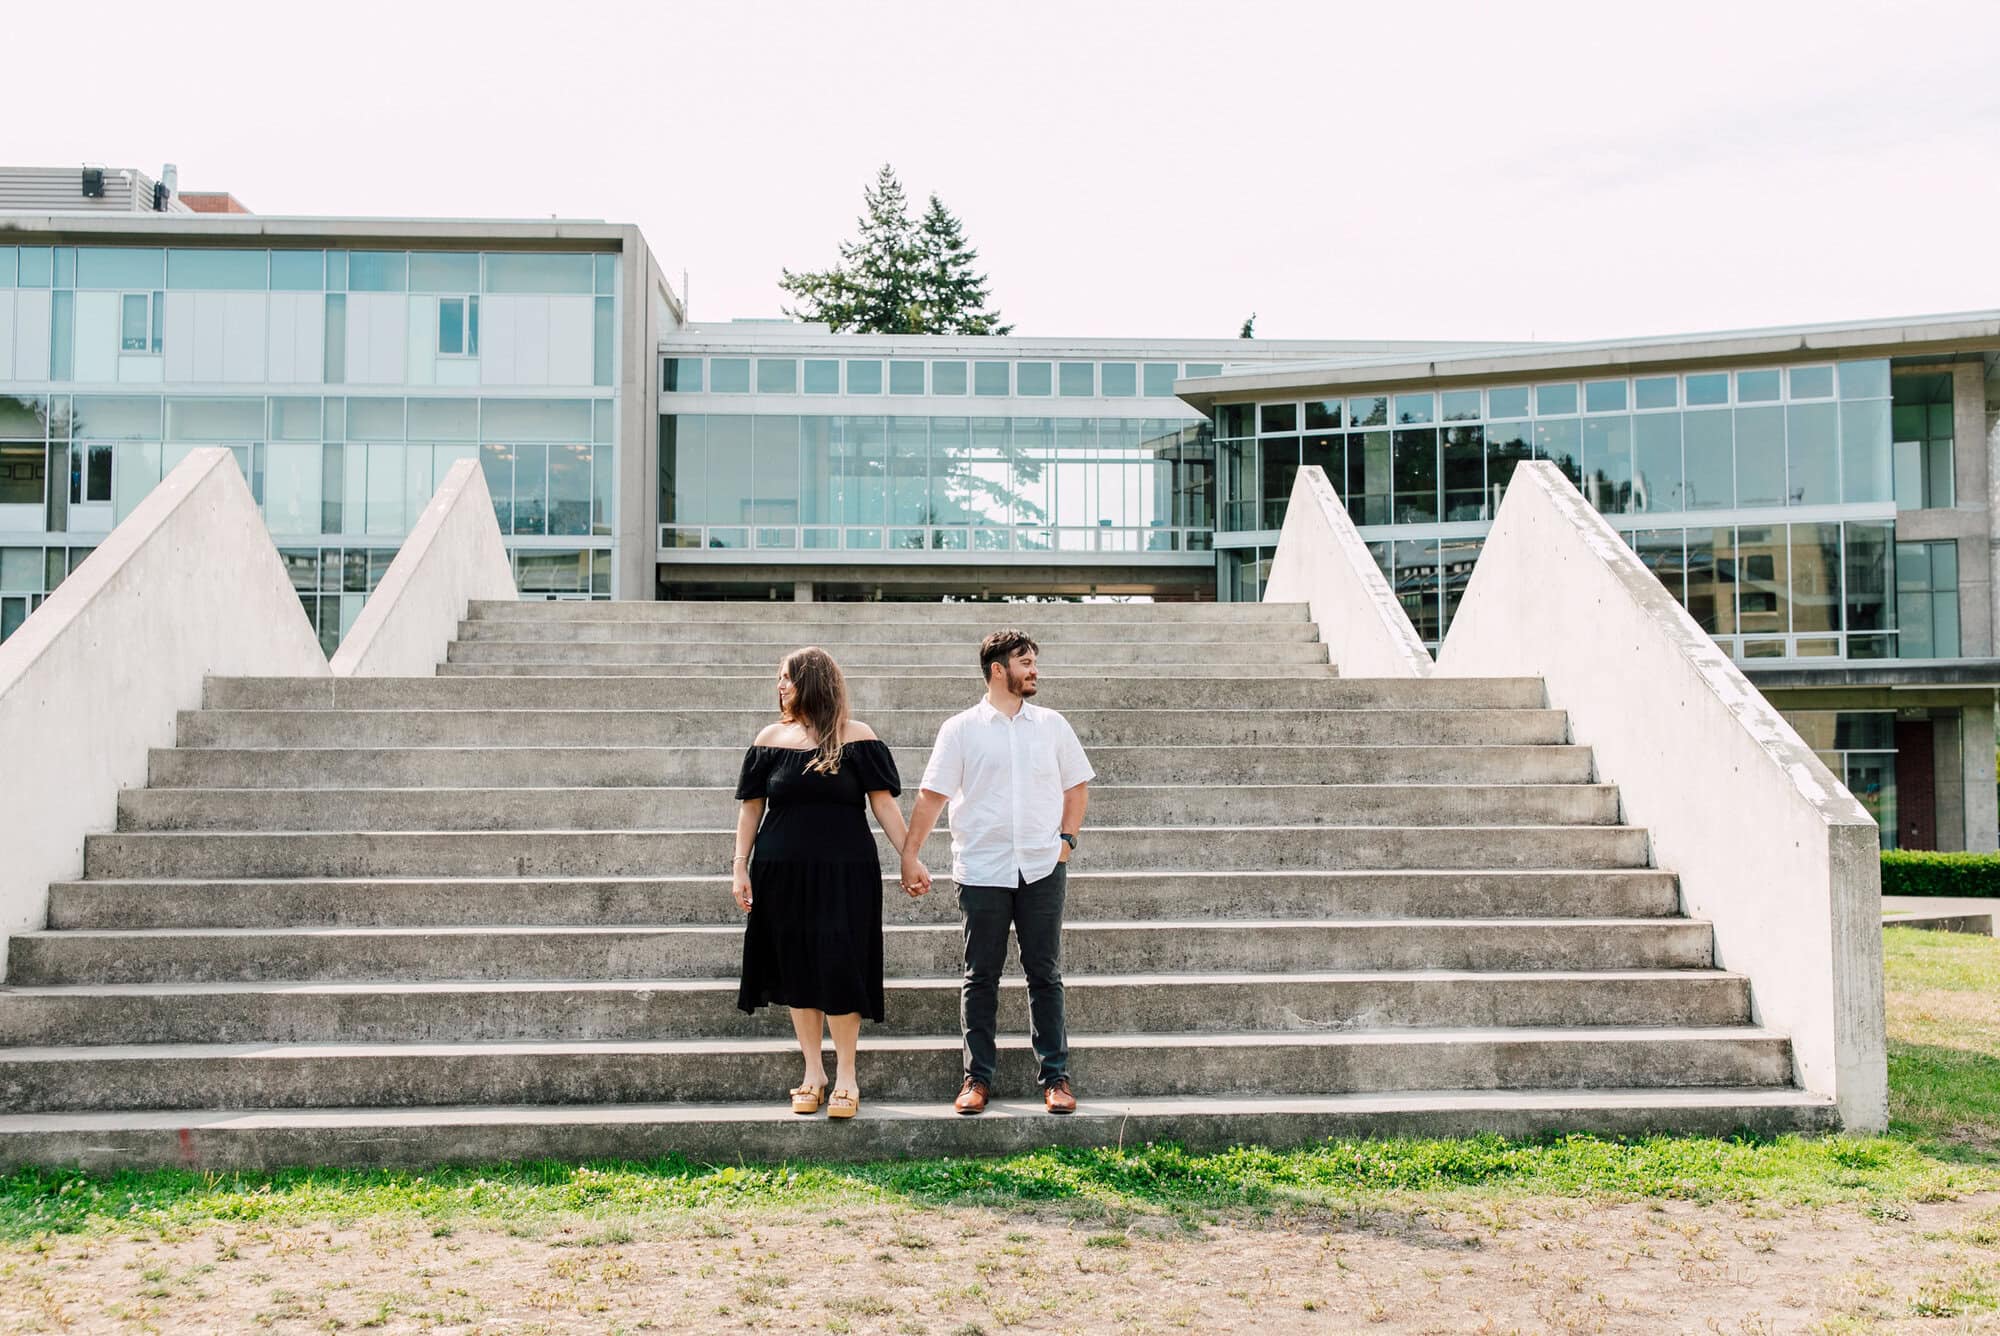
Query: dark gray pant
(1034, 910)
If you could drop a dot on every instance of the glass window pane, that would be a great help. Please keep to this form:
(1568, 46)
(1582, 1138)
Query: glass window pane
(23, 471)
(116, 417)
(604, 270)
(378, 271)
(1664, 553)
(451, 326)
(1816, 570)
(1368, 411)
(136, 323)
(1554, 400)
(864, 377)
(296, 419)
(1864, 380)
(204, 420)
(1507, 403)
(535, 419)
(777, 375)
(1278, 467)
(569, 488)
(540, 273)
(298, 270)
(1414, 408)
(1756, 387)
(1159, 379)
(1762, 590)
(9, 266)
(441, 271)
(1507, 444)
(371, 419)
(948, 378)
(1656, 392)
(1760, 456)
(906, 377)
(37, 266)
(1034, 378)
(1811, 382)
(1416, 476)
(120, 267)
(218, 269)
(991, 378)
(1711, 461)
(1604, 396)
(1461, 405)
(1195, 369)
(681, 375)
(1417, 585)
(1607, 462)
(1078, 379)
(1656, 462)
(1870, 594)
(444, 420)
(729, 375)
(1277, 417)
(822, 375)
(1323, 414)
(1369, 477)
(1120, 380)
(1812, 454)
(1464, 473)
(1708, 388)
(1865, 454)
(1711, 577)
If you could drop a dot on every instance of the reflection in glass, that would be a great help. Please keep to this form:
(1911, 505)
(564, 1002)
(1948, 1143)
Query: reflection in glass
(1279, 418)
(1711, 579)
(1464, 473)
(1416, 486)
(1870, 595)
(1278, 467)
(1368, 411)
(1664, 553)
(1607, 462)
(1656, 462)
(1761, 584)
(1760, 456)
(1323, 415)
(1815, 582)
(1507, 444)
(1561, 443)
(1414, 408)
(1418, 588)
(1368, 477)
(1456, 559)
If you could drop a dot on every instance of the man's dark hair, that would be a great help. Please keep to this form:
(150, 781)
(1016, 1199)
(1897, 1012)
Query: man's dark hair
(1002, 646)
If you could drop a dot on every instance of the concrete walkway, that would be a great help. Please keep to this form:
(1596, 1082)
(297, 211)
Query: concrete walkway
(1945, 913)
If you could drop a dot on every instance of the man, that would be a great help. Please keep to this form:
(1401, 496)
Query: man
(1018, 783)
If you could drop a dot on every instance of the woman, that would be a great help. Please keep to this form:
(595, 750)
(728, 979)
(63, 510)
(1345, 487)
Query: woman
(814, 939)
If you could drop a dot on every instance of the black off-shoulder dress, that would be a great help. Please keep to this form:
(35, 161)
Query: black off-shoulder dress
(814, 937)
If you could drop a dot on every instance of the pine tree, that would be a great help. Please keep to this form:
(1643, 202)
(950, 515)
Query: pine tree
(896, 278)
(1249, 330)
(952, 294)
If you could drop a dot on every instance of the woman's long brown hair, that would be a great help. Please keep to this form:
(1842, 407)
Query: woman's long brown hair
(819, 703)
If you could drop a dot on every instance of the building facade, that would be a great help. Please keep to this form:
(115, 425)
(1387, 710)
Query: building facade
(1818, 499)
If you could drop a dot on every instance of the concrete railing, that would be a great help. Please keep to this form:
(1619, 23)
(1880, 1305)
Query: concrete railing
(1322, 561)
(1766, 843)
(452, 556)
(189, 585)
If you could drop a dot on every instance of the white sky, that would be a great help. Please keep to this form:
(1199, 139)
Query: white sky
(1158, 169)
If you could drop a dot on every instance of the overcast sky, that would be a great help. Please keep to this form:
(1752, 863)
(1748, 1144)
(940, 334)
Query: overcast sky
(1405, 170)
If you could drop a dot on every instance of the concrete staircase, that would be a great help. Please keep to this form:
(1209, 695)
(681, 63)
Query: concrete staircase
(485, 914)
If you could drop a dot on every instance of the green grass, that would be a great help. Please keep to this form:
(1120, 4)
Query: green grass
(1944, 1140)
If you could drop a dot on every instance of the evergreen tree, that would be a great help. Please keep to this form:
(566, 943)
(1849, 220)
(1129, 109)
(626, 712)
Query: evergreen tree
(896, 277)
(872, 290)
(1249, 330)
(952, 294)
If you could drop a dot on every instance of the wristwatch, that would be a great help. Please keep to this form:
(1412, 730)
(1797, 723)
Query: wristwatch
(1068, 839)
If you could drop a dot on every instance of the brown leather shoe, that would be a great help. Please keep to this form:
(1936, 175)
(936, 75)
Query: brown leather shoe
(972, 1097)
(1056, 1096)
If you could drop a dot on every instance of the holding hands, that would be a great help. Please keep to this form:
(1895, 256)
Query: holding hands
(916, 877)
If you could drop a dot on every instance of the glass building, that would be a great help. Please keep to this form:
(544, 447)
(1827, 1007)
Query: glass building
(1818, 498)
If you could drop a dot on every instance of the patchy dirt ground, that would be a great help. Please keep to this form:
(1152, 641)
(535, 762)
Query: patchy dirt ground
(1501, 1266)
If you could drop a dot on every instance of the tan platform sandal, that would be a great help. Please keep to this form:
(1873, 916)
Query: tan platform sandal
(807, 1099)
(844, 1104)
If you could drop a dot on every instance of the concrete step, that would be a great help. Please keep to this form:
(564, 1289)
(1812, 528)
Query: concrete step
(618, 767)
(294, 1076)
(682, 808)
(919, 614)
(785, 627)
(956, 672)
(561, 727)
(702, 951)
(511, 1011)
(595, 900)
(952, 692)
(214, 1139)
(1075, 656)
(560, 853)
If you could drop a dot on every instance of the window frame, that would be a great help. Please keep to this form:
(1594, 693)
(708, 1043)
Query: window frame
(468, 326)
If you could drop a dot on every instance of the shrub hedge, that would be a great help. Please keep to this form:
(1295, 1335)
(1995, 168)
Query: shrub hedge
(1925, 872)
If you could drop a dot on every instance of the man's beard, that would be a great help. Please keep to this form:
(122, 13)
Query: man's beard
(1020, 685)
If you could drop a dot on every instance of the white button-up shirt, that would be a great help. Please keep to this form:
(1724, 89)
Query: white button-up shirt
(1005, 779)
